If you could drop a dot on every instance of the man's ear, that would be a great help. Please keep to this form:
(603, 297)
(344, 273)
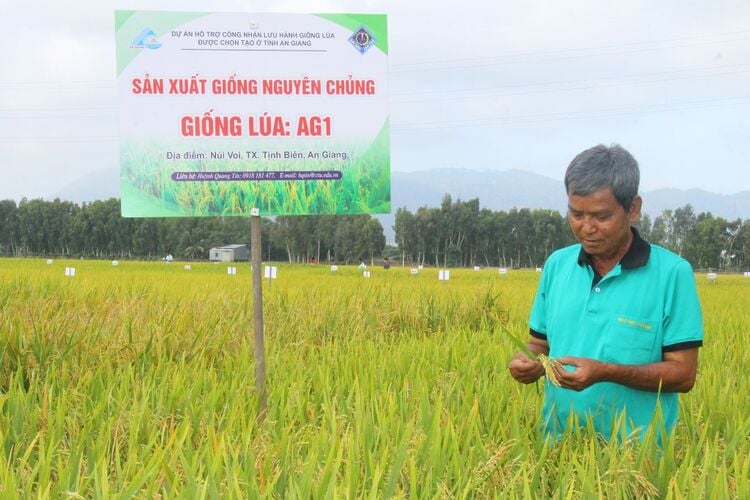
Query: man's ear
(634, 214)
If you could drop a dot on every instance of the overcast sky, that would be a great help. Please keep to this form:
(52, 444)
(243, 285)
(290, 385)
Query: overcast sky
(473, 84)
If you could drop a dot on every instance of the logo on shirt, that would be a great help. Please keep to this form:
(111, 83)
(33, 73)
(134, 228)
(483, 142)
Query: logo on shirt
(637, 324)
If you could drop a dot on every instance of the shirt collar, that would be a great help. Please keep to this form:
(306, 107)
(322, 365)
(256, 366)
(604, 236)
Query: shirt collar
(636, 256)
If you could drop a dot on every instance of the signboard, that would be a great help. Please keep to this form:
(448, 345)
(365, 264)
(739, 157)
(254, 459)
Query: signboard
(224, 112)
(270, 272)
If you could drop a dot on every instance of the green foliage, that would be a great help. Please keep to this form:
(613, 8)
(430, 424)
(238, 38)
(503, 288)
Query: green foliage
(97, 230)
(458, 233)
(138, 381)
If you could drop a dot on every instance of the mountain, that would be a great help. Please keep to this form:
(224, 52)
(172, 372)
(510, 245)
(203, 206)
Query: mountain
(98, 185)
(730, 207)
(506, 189)
(496, 190)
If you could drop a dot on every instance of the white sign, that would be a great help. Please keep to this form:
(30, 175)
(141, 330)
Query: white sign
(444, 275)
(115, 263)
(414, 270)
(70, 271)
(187, 268)
(747, 274)
(49, 261)
(270, 272)
(334, 269)
(231, 271)
(366, 274)
(420, 267)
(476, 268)
(259, 105)
(711, 276)
(539, 269)
(503, 270)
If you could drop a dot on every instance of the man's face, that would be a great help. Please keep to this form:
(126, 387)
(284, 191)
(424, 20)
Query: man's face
(601, 224)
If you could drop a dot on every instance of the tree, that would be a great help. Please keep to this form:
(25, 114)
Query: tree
(405, 227)
(684, 222)
(9, 228)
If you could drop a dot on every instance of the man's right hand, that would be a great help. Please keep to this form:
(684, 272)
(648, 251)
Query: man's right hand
(525, 370)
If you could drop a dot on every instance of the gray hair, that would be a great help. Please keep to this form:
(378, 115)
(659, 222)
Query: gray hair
(601, 167)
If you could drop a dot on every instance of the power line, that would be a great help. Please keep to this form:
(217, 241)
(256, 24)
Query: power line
(414, 67)
(572, 115)
(49, 139)
(69, 85)
(576, 49)
(34, 110)
(565, 89)
(570, 82)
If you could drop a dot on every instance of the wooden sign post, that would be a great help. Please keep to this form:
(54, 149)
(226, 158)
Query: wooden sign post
(259, 342)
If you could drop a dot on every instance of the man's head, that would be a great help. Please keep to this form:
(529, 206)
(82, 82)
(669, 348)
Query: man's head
(603, 201)
(601, 167)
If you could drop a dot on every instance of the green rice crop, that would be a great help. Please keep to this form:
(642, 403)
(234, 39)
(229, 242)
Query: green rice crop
(137, 381)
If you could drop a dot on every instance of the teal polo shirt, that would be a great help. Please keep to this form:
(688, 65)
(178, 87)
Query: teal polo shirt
(645, 306)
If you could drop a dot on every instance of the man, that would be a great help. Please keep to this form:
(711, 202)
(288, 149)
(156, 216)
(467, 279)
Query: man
(621, 317)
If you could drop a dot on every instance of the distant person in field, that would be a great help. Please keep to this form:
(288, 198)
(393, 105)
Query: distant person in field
(619, 317)
(362, 266)
(386, 263)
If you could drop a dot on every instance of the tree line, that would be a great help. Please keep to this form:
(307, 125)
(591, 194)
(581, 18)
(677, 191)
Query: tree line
(457, 233)
(96, 229)
(707, 242)
(460, 233)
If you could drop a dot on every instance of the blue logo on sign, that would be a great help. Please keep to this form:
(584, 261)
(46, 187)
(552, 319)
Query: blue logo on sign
(146, 39)
(362, 40)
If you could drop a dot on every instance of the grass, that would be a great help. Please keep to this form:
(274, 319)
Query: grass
(138, 381)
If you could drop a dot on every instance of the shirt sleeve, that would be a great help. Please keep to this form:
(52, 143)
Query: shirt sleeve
(683, 320)
(538, 316)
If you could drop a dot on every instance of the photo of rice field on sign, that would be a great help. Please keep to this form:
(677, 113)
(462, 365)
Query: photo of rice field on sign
(150, 190)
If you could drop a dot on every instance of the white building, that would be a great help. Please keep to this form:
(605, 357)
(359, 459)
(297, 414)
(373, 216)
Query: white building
(229, 253)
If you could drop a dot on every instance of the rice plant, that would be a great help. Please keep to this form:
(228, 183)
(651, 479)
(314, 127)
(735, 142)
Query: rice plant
(137, 381)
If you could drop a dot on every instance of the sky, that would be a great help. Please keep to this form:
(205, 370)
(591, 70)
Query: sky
(485, 85)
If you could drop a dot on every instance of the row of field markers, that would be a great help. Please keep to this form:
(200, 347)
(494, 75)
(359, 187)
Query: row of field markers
(443, 274)
(270, 272)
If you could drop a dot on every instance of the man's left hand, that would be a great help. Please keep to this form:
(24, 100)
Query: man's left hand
(587, 372)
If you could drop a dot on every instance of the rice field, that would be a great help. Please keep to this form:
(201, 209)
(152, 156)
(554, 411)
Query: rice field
(137, 381)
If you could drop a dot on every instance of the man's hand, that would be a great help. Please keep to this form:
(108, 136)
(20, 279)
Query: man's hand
(525, 370)
(674, 373)
(587, 372)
